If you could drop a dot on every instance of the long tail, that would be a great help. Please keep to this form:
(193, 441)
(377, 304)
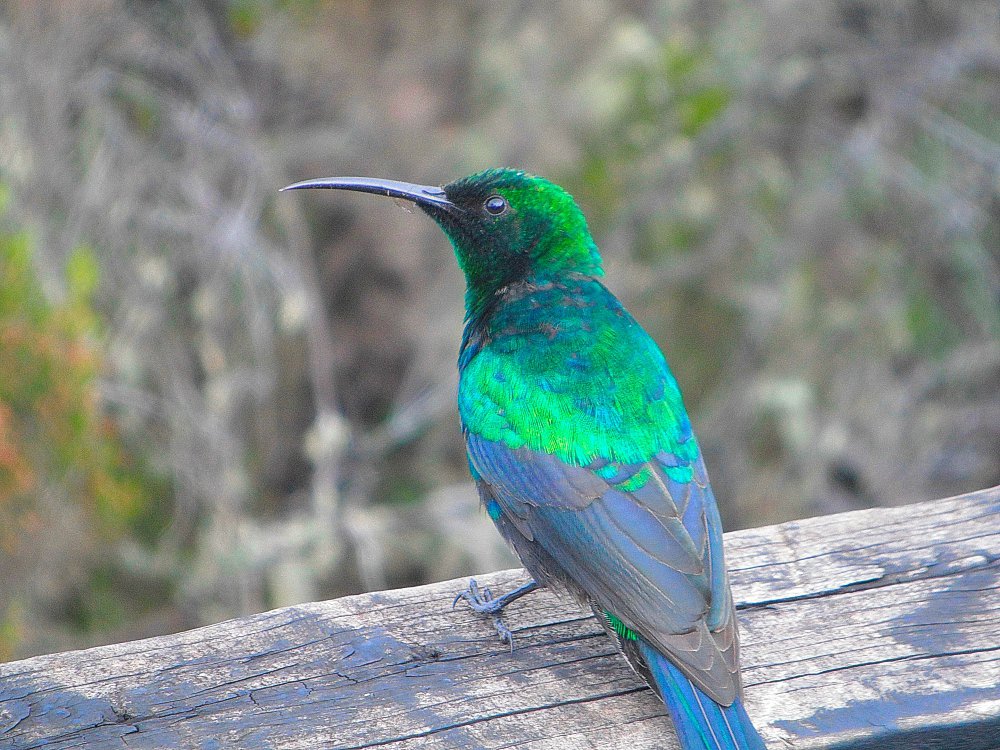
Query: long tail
(701, 723)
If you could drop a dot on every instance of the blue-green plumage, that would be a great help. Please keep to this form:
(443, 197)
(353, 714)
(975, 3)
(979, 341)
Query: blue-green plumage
(581, 447)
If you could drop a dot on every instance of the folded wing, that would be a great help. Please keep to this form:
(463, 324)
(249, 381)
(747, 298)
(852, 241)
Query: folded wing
(640, 542)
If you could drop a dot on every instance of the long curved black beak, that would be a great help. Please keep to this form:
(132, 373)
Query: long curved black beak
(425, 195)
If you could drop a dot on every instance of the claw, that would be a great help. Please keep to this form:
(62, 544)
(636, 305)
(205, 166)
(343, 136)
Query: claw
(483, 602)
(504, 632)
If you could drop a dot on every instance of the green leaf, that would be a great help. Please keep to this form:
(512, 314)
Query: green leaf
(82, 273)
(699, 109)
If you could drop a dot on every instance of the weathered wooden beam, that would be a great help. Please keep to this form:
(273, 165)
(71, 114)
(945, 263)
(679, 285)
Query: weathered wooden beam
(873, 629)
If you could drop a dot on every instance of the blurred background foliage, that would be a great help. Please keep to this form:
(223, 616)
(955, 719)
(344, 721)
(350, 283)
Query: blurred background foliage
(215, 399)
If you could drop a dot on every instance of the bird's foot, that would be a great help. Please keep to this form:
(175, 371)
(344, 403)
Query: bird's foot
(481, 600)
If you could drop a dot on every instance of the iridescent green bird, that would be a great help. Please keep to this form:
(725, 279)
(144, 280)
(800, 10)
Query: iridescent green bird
(581, 447)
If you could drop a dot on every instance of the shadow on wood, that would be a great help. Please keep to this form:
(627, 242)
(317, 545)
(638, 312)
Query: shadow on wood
(872, 629)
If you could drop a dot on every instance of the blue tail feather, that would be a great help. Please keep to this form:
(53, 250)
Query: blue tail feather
(701, 723)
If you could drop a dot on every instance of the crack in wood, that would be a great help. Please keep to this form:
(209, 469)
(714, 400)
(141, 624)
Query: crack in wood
(491, 717)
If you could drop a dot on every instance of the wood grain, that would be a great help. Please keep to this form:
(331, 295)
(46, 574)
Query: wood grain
(873, 629)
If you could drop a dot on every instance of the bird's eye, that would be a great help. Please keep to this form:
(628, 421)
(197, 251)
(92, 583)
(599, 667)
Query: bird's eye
(495, 205)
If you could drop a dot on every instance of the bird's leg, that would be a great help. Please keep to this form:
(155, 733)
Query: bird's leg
(482, 602)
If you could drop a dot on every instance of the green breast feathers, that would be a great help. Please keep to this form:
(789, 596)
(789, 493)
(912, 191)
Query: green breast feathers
(562, 368)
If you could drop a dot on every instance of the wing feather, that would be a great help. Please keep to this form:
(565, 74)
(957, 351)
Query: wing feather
(650, 552)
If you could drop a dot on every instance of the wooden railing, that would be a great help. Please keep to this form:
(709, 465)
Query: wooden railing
(871, 629)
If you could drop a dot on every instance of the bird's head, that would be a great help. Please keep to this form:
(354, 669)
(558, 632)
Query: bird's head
(506, 226)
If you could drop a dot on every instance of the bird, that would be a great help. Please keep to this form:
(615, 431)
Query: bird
(580, 446)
